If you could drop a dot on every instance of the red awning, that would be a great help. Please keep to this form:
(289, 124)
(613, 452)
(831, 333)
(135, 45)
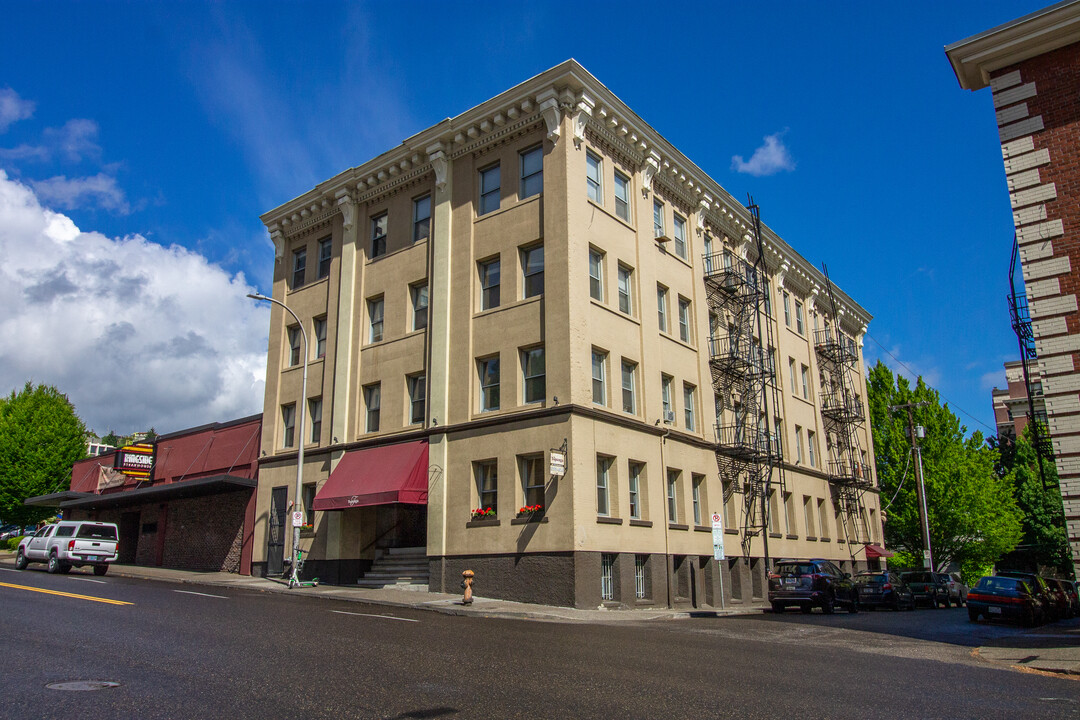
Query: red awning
(876, 551)
(377, 476)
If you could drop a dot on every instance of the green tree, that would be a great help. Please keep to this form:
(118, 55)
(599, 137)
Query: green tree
(973, 516)
(41, 437)
(112, 439)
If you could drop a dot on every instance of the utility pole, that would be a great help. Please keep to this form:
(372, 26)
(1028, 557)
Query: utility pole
(920, 488)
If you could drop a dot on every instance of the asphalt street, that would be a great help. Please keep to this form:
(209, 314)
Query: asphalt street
(197, 651)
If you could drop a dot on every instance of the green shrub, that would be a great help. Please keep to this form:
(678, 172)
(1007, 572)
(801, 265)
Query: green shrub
(13, 543)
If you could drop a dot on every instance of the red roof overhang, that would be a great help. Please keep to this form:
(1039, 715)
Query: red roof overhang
(377, 476)
(876, 551)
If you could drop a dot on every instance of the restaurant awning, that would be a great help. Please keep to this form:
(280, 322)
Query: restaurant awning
(377, 476)
(160, 493)
(876, 551)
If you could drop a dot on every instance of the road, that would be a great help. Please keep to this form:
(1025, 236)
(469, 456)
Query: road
(182, 651)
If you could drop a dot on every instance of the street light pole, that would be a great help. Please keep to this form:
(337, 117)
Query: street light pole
(916, 432)
(295, 577)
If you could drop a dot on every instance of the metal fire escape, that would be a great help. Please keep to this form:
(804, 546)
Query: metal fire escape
(1029, 360)
(748, 453)
(843, 420)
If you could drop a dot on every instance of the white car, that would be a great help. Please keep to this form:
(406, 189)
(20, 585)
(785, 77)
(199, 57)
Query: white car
(68, 544)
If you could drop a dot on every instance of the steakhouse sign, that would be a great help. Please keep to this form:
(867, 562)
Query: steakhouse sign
(136, 460)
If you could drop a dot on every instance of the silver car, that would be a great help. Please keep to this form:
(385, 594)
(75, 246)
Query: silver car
(957, 589)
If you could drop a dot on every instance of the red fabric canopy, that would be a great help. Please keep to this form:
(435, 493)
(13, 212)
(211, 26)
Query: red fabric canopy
(377, 476)
(876, 551)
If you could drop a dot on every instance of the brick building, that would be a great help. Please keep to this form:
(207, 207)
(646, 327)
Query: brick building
(1011, 407)
(1032, 67)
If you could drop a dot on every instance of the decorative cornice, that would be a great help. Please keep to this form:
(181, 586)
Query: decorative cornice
(347, 206)
(582, 112)
(462, 147)
(396, 185)
(548, 103)
(439, 163)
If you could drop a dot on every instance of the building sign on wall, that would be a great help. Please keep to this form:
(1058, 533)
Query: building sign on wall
(136, 460)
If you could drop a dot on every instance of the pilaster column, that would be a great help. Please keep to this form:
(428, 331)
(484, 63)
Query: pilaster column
(343, 410)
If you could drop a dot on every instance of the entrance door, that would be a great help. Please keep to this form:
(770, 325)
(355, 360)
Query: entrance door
(129, 537)
(275, 536)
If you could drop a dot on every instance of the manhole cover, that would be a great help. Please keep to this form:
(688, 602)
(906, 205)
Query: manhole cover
(83, 685)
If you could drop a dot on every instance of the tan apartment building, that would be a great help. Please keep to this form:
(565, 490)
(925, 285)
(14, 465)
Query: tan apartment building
(518, 284)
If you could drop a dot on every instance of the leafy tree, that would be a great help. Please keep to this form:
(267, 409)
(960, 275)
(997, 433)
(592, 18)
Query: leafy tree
(973, 516)
(41, 437)
(112, 439)
(151, 435)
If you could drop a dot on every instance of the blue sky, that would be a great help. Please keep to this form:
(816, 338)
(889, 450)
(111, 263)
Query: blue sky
(139, 143)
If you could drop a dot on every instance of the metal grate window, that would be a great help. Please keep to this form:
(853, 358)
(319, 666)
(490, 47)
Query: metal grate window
(607, 572)
(639, 576)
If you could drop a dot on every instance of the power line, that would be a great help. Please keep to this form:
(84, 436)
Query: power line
(915, 374)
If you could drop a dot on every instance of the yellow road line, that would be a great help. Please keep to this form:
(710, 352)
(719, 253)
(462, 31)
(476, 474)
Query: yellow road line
(64, 594)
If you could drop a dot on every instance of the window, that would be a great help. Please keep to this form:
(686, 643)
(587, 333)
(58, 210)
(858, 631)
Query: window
(532, 365)
(315, 413)
(596, 275)
(808, 516)
(308, 497)
(665, 396)
(489, 189)
(417, 395)
(607, 572)
(774, 512)
(791, 373)
(787, 309)
(532, 478)
(698, 481)
(375, 317)
(639, 576)
(811, 440)
(288, 421)
(532, 172)
(626, 298)
(798, 444)
(489, 384)
(789, 514)
(823, 519)
(684, 319)
(603, 468)
(299, 267)
(629, 386)
(768, 298)
(636, 471)
(378, 235)
(799, 323)
(487, 484)
(489, 284)
(679, 226)
(622, 196)
(373, 402)
(532, 265)
(294, 345)
(593, 177)
(672, 496)
(658, 218)
(729, 504)
(599, 377)
(326, 250)
(689, 403)
(661, 307)
(805, 382)
(419, 295)
(421, 218)
(320, 336)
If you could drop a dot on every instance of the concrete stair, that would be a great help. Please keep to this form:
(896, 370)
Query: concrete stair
(399, 569)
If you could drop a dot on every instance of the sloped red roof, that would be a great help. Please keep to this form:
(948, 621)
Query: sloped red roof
(377, 476)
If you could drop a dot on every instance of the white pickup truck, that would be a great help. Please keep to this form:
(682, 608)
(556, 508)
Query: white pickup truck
(68, 544)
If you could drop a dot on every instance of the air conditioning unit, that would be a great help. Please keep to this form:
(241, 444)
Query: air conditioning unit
(669, 416)
(661, 236)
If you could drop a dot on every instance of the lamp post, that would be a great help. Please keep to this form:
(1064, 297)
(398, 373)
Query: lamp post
(295, 578)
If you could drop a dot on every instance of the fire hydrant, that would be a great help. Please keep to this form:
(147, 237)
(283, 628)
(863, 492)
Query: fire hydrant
(467, 584)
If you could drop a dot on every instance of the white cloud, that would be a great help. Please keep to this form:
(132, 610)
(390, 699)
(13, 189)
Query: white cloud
(99, 190)
(135, 333)
(75, 141)
(769, 159)
(13, 108)
(993, 379)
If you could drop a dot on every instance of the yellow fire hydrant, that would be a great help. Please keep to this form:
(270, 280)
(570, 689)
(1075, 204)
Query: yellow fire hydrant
(467, 584)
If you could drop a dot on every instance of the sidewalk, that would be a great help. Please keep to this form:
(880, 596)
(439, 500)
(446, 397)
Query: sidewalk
(1052, 648)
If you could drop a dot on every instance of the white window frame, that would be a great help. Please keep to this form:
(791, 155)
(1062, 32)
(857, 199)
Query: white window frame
(626, 289)
(678, 225)
(594, 177)
(689, 407)
(490, 282)
(684, 319)
(673, 495)
(376, 319)
(528, 254)
(528, 354)
(661, 308)
(419, 292)
(487, 193)
(603, 485)
(629, 386)
(490, 380)
(524, 157)
(599, 377)
(421, 222)
(372, 407)
(622, 196)
(635, 471)
(596, 274)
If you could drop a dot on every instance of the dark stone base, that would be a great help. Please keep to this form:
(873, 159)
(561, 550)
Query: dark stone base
(329, 572)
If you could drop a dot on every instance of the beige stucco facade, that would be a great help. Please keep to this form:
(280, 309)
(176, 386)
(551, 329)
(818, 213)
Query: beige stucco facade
(608, 324)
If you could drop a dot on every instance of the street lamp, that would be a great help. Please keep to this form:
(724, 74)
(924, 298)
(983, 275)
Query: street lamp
(295, 577)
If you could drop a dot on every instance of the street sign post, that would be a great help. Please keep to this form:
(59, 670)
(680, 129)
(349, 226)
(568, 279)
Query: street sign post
(718, 552)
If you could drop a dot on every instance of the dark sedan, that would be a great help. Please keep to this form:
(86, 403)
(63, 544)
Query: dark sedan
(1004, 598)
(927, 588)
(883, 589)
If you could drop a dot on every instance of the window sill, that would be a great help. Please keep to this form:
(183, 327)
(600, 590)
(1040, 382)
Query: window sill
(641, 523)
(792, 537)
(702, 528)
(313, 283)
(368, 260)
(483, 523)
(508, 306)
(527, 520)
(729, 531)
(603, 520)
(811, 538)
(614, 311)
(775, 535)
(307, 533)
(826, 540)
(506, 205)
(678, 341)
(610, 214)
(677, 526)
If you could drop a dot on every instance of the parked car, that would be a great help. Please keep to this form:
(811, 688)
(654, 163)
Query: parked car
(883, 589)
(927, 587)
(957, 589)
(69, 544)
(807, 583)
(1038, 587)
(1063, 599)
(1006, 598)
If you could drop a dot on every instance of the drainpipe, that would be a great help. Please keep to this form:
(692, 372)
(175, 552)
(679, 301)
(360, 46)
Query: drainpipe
(667, 518)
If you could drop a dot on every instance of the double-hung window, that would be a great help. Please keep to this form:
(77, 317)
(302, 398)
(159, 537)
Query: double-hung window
(798, 444)
(309, 503)
(531, 468)
(679, 226)
(288, 424)
(490, 185)
(603, 501)
(378, 235)
(421, 228)
(489, 384)
(689, 403)
(419, 294)
(320, 336)
(622, 196)
(299, 268)
(489, 284)
(636, 471)
(294, 345)
(326, 250)
(661, 307)
(805, 382)
(629, 400)
(596, 274)
(487, 484)
(811, 440)
(593, 177)
(665, 397)
(373, 404)
(800, 325)
(673, 496)
(787, 308)
(532, 365)
(626, 304)
(684, 319)
(599, 377)
(375, 317)
(417, 397)
(697, 482)
(658, 218)
(315, 413)
(532, 172)
(532, 266)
